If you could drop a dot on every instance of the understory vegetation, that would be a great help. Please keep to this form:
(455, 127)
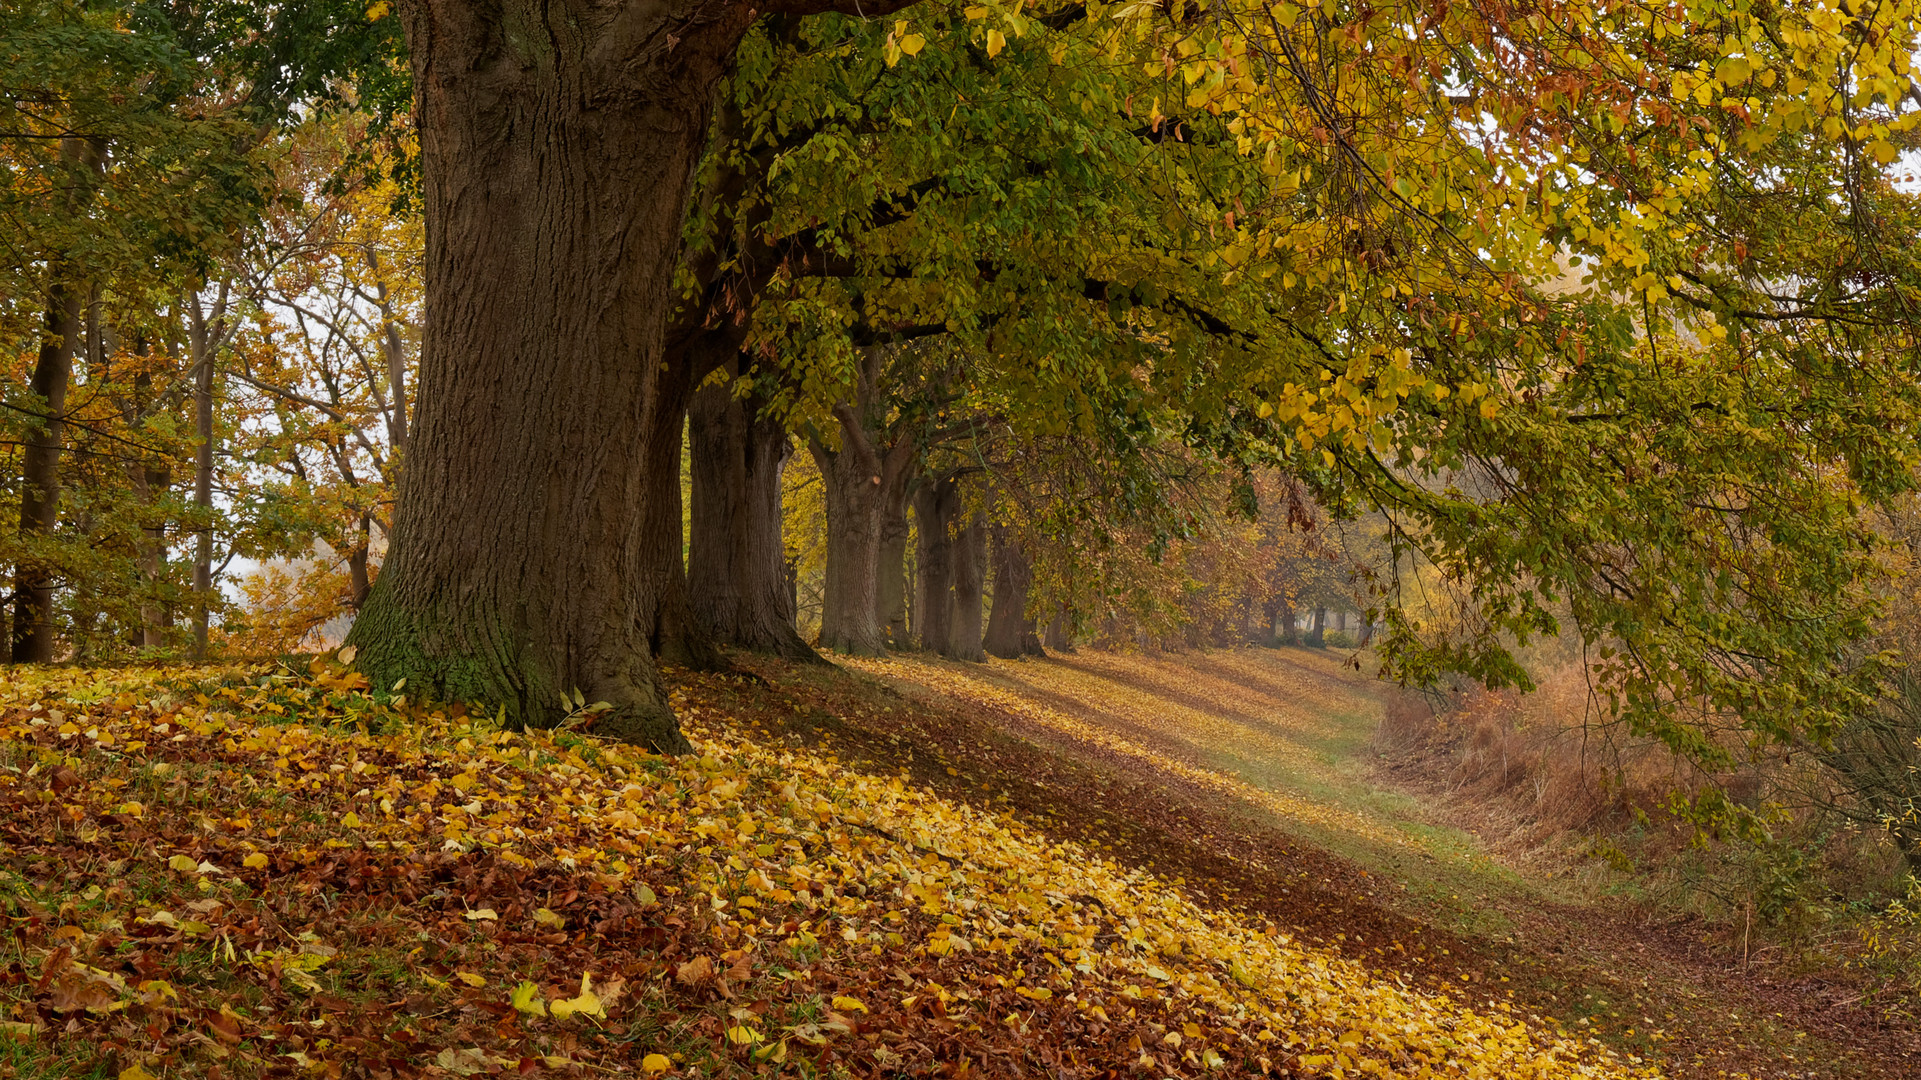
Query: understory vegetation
(1795, 879)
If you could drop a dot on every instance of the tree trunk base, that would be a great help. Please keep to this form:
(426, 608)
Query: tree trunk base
(495, 674)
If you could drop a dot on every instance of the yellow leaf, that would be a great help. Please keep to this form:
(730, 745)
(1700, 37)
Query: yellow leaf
(655, 1063)
(912, 44)
(486, 913)
(254, 861)
(186, 864)
(587, 1004)
(351, 820)
(470, 978)
(546, 917)
(347, 654)
(526, 998)
(847, 1004)
(742, 1036)
(135, 1072)
(996, 41)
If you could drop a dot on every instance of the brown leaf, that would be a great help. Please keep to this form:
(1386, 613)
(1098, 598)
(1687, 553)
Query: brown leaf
(695, 971)
(77, 992)
(64, 780)
(225, 1024)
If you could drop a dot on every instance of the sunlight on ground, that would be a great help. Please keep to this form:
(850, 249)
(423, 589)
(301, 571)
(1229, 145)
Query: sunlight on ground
(1285, 731)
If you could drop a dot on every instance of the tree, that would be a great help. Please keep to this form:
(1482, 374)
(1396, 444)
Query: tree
(325, 372)
(866, 476)
(537, 543)
(111, 193)
(1011, 630)
(810, 256)
(1411, 246)
(736, 563)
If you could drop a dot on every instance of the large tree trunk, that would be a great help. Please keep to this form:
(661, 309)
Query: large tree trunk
(860, 479)
(1010, 631)
(1317, 636)
(85, 158)
(891, 586)
(1060, 632)
(851, 595)
(33, 636)
(936, 507)
(736, 564)
(678, 638)
(970, 581)
(536, 547)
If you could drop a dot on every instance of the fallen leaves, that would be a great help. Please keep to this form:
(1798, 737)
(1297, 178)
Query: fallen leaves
(586, 1003)
(399, 869)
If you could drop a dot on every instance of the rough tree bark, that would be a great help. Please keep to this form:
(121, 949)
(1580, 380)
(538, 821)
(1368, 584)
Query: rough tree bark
(1010, 630)
(891, 588)
(970, 581)
(33, 636)
(1317, 636)
(536, 545)
(33, 632)
(936, 507)
(860, 479)
(736, 565)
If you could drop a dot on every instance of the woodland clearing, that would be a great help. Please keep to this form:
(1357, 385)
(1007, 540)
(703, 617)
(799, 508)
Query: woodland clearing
(921, 868)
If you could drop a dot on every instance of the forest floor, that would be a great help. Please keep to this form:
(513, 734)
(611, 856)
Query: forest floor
(1252, 776)
(1081, 868)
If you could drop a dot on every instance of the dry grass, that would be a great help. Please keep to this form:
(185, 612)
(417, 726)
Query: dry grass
(1542, 764)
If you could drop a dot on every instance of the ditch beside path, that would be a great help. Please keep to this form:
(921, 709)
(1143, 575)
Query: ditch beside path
(1250, 776)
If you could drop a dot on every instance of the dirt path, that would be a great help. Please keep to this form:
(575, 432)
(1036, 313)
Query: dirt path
(1247, 775)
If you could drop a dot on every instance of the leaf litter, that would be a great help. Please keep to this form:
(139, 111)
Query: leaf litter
(256, 871)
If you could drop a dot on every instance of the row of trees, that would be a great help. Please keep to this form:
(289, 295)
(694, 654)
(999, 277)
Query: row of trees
(270, 381)
(1604, 316)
